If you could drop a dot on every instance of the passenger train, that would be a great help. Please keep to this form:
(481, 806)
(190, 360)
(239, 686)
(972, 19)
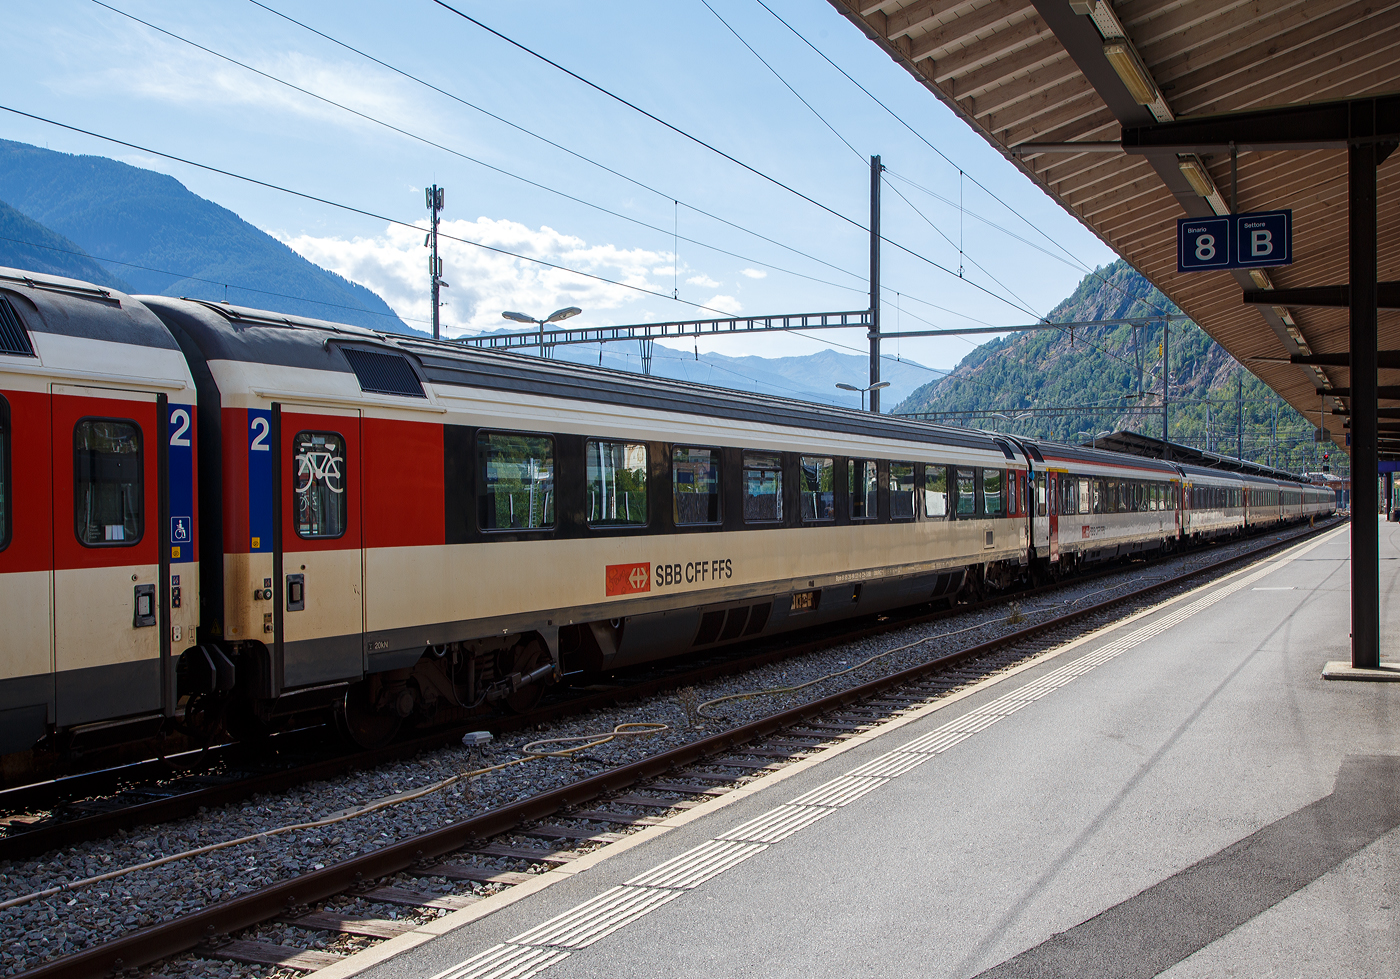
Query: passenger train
(217, 518)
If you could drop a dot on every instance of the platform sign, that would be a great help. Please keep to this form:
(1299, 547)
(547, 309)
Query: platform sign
(1202, 243)
(1261, 239)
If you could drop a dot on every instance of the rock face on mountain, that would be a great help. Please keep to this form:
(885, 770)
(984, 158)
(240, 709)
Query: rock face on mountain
(149, 230)
(1110, 378)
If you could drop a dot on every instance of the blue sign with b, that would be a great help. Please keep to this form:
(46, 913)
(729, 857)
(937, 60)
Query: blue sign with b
(1261, 239)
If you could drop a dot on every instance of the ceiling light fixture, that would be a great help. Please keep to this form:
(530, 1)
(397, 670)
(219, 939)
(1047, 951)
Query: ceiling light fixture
(1136, 78)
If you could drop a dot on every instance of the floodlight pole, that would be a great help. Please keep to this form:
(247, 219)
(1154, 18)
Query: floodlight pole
(875, 171)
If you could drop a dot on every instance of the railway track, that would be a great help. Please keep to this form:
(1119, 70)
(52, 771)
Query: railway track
(550, 828)
(36, 819)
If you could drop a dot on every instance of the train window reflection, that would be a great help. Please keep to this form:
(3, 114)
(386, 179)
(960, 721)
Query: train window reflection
(517, 481)
(318, 484)
(967, 492)
(818, 488)
(1083, 496)
(763, 487)
(901, 491)
(695, 485)
(863, 482)
(992, 480)
(935, 491)
(107, 505)
(617, 483)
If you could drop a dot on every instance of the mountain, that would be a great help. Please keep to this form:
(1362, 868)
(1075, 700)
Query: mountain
(159, 237)
(27, 244)
(1106, 378)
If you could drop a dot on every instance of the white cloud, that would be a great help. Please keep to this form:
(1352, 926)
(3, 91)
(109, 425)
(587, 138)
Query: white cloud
(702, 280)
(727, 304)
(149, 65)
(482, 283)
(754, 273)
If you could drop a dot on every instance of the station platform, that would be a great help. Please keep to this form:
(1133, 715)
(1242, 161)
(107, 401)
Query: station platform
(1179, 794)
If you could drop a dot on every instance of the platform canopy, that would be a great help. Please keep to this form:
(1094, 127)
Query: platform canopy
(1031, 77)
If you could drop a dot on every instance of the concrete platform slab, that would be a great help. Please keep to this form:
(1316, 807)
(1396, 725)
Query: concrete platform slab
(1176, 795)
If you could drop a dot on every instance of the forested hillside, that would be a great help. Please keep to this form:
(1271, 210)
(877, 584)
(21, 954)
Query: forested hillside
(171, 241)
(26, 244)
(1110, 378)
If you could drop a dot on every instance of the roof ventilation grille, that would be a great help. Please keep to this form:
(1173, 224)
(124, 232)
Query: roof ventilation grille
(384, 373)
(13, 339)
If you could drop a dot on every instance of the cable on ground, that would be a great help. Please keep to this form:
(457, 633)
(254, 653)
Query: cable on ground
(529, 752)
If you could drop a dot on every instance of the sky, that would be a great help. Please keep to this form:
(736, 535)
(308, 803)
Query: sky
(769, 218)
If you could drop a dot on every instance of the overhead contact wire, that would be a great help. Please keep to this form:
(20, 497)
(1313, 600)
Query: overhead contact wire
(352, 209)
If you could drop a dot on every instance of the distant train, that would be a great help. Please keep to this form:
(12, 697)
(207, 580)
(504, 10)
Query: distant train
(220, 519)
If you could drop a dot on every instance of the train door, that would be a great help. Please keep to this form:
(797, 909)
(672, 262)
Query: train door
(318, 558)
(109, 657)
(1054, 512)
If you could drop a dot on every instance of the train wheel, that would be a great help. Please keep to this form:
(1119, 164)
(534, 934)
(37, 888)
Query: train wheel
(363, 722)
(523, 658)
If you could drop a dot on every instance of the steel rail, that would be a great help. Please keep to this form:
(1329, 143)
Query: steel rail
(185, 933)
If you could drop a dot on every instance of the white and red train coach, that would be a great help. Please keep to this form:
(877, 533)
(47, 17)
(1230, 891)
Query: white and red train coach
(215, 517)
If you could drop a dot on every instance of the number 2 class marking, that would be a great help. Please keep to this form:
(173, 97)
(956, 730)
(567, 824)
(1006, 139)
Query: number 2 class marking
(262, 427)
(180, 421)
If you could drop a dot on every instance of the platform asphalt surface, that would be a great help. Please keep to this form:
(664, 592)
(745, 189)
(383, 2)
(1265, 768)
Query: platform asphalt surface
(1181, 795)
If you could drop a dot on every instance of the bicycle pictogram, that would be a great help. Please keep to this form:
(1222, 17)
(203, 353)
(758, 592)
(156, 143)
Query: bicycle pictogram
(319, 467)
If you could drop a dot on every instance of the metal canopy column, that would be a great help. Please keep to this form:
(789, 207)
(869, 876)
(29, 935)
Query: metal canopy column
(875, 171)
(1365, 547)
(1369, 129)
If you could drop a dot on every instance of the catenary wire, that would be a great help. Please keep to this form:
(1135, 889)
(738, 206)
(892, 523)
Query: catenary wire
(457, 153)
(655, 118)
(549, 142)
(697, 140)
(355, 210)
(216, 282)
(920, 136)
(763, 61)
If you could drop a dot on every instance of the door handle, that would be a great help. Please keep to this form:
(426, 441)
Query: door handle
(296, 592)
(144, 613)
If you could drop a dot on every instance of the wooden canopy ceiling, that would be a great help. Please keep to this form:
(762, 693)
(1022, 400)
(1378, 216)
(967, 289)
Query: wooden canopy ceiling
(1030, 75)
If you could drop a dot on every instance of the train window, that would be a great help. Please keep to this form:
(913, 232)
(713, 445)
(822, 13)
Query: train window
(763, 487)
(107, 503)
(516, 491)
(818, 488)
(1040, 494)
(4, 473)
(617, 483)
(1011, 482)
(967, 492)
(1082, 494)
(902, 491)
(992, 482)
(695, 485)
(935, 491)
(318, 481)
(863, 482)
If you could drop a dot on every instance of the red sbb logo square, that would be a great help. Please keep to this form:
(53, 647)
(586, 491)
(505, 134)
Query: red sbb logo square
(628, 579)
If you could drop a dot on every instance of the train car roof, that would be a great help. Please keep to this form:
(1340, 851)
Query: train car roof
(1104, 457)
(70, 307)
(235, 333)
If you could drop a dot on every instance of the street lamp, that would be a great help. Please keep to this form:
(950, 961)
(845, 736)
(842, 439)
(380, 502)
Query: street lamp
(554, 317)
(874, 387)
(1094, 439)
